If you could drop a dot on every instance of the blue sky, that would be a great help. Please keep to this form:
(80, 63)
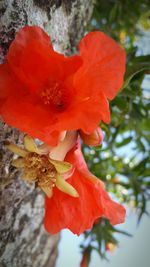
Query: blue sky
(132, 252)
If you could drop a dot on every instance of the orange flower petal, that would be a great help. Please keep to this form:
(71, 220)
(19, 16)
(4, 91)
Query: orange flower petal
(106, 62)
(79, 214)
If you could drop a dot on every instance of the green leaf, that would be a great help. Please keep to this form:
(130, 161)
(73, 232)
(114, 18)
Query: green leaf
(123, 232)
(141, 165)
(139, 64)
(121, 103)
(124, 142)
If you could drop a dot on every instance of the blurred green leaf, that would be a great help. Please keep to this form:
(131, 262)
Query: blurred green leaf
(124, 142)
(139, 64)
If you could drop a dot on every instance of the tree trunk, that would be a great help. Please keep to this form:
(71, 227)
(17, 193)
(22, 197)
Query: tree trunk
(23, 240)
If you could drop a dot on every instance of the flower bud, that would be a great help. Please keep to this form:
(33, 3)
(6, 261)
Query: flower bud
(84, 261)
(93, 139)
(111, 247)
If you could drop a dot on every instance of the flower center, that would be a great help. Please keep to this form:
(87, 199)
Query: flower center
(52, 95)
(40, 170)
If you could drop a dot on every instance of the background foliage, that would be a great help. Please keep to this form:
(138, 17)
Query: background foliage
(123, 161)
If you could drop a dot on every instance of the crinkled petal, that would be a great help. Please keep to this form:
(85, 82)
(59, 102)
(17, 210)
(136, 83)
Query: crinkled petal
(104, 61)
(22, 112)
(113, 211)
(33, 60)
(79, 214)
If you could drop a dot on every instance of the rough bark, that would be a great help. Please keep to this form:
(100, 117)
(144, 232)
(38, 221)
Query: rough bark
(23, 240)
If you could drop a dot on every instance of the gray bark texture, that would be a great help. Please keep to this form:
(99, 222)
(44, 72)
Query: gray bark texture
(23, 240)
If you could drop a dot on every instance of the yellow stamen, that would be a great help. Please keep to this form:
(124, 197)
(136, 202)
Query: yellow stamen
(29, 175)
(46, 173)
(52, 94)
(18, 163)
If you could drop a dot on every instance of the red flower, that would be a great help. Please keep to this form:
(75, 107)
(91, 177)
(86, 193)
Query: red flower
(111, 247)
(44, 93)
(93, 139)
(79, 214)
(84, 261)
